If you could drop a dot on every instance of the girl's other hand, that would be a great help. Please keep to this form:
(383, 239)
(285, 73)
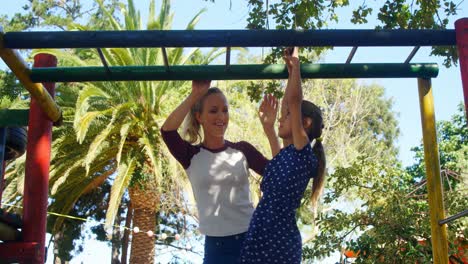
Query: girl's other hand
(291, 57)
(268, 111)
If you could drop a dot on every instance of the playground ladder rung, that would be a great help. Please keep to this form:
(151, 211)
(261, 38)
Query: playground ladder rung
(351, 54)
(411, 55)
(228, 58)
(103, 60)
(165, 59)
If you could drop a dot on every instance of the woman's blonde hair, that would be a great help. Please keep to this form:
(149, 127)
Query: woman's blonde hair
(191, 130)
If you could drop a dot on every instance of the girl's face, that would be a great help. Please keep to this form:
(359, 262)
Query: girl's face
(214, 115)
(285, 127)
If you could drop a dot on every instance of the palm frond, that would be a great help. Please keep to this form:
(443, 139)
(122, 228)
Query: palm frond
(191, 25)
(98, 144)
(115, 25)
(151, 14)
(122, 56)
(68, 197)
(124, 131)
(83, 123)
(148, 146)
(124, 175)
(164, 14)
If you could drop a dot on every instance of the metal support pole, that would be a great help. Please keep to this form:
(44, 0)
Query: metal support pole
(3, 131)
(461, 29)
(37, 167)
(434, 183)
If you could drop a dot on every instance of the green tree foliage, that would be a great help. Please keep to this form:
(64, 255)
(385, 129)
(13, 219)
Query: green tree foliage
(68, 241)
(358, 122)
(389, 14)
(9, 86)
(62, 14)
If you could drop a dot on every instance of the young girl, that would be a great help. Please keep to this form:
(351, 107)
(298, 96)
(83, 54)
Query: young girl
(218, 169)
(273, 236)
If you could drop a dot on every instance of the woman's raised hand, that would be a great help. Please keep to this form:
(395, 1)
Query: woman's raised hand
(200, 87)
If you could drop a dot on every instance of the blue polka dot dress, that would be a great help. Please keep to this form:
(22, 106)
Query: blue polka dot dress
(273, 236)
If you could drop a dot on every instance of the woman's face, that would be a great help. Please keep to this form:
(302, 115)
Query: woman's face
(214, 115)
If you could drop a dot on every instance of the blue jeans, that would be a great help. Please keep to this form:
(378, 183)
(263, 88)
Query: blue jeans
(225, 250)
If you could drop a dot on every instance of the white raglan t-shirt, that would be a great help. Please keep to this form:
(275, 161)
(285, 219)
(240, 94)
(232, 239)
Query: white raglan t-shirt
(219, 180)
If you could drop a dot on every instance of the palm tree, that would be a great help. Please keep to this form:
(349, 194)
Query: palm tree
(117, 128)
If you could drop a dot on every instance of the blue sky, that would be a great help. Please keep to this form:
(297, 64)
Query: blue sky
(447, 87)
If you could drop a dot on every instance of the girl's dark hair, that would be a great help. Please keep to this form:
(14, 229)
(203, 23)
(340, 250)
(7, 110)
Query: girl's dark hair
(313, 112)
(191, 130)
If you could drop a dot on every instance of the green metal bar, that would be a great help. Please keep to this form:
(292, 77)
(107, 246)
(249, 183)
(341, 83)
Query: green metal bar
(228, 38)
(434, 182)
(14, 117)
(235, 72)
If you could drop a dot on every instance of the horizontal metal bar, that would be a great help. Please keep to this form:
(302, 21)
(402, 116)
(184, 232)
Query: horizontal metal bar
(228, 38)
(14, 117)
(236, 72)
(453, 217)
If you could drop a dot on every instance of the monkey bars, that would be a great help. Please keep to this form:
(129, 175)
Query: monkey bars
(43, 108)
(235, 72)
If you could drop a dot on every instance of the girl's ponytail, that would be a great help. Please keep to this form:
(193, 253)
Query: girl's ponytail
(314, 132)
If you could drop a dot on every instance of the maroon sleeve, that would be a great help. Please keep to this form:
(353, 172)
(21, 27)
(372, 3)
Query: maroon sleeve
(182, 150)
(255, 159)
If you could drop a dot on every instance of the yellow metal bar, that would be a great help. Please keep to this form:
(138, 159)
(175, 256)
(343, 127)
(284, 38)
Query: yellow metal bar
(434, 183)
(19, 67)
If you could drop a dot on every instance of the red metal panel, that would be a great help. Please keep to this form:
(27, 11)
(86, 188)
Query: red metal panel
(2, 178)
(23, 252)
(37, 167)
(3, 131)
(461, 29)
